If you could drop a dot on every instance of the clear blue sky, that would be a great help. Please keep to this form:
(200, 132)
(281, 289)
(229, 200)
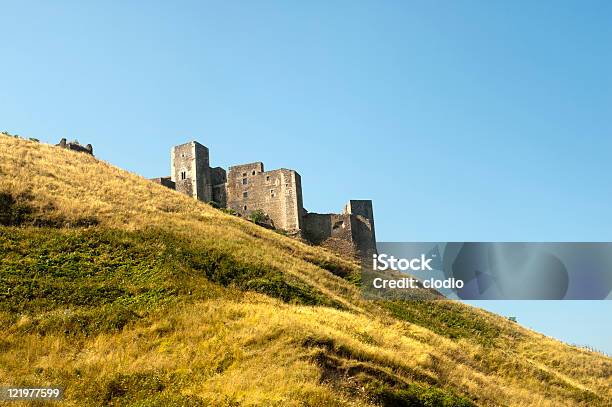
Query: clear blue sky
(462, 120)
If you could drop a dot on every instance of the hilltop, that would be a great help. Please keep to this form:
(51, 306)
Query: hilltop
(128, 293)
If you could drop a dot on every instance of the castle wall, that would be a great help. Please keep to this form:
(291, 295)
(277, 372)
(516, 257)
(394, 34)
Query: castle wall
(345, 233)
(330, 230)
(318, 227)
(277, 193)
(165, 181)
(294, 206)
(219, 178)
(203, 177)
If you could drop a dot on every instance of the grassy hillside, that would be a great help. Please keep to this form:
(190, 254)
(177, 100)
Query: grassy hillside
(127, 293)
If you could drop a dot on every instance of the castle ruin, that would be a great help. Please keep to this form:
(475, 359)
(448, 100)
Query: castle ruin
(75, 146)
(247, 188)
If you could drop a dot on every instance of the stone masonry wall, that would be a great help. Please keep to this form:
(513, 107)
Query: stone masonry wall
(278, 193)
(203, 177)
(346, 233)
(218, 179)
(165, 181)
(318, 227)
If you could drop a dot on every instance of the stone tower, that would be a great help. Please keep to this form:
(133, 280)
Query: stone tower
(362, 207)
(190, 170)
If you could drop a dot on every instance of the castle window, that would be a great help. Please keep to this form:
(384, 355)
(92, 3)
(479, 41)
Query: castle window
(267, 178)
(245, 207)
(245, 194)
(183, 174)
(244, 181)
(253, 172)
(272, 193)
(244, 174)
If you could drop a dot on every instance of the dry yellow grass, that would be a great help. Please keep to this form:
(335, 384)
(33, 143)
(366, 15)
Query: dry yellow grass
(248, 348)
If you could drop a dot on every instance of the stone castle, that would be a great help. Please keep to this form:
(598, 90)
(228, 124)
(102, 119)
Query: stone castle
(248, 188)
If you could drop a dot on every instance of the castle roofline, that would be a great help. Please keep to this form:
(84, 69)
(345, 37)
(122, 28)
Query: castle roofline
(191, 142)
(247, 165)
(259, 165)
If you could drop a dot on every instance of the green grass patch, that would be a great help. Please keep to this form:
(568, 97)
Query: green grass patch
(446, 318)
(101, 279)
(414, 395)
